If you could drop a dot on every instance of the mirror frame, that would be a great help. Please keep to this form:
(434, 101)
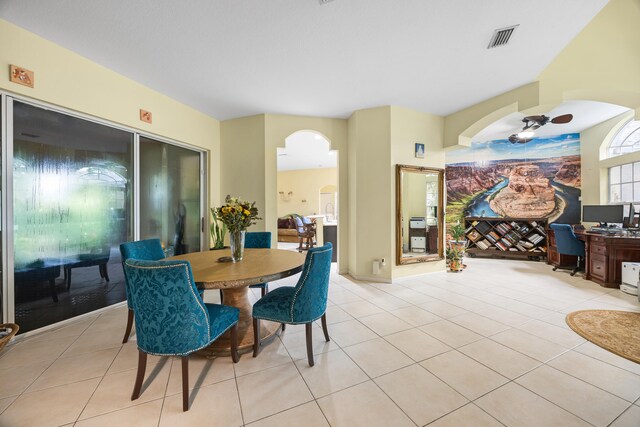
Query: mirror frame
(400, 260)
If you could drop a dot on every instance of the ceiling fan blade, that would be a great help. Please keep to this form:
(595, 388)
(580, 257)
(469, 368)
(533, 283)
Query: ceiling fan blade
(565, 118)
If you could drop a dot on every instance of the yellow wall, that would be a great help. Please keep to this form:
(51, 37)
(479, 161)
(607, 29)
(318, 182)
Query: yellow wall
(305, 185)
(242, 168)
(249, 169)
(371, 219)
(68, 80)
(602, 63)
(407, 128)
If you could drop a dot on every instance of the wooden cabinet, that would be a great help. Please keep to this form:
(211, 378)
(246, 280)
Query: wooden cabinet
(605, 255)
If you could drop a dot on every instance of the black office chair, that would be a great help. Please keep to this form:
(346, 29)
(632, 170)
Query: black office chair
(568, 244)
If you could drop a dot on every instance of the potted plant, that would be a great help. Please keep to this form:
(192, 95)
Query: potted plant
(454, 258)
(457, 244)
(218, 231)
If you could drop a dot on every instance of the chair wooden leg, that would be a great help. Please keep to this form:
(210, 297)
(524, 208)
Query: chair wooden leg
(68, 278)
(52, 288)
(324, 327)
(221, 297)
(308, 329)
(127, 331)
(284, 326)
(105, 272)
(256, 336)
(234, 344)
(185, 383)
(142, 366)
(263, 290)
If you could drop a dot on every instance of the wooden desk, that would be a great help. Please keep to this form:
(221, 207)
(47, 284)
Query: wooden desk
(605, 255)
(257, 266)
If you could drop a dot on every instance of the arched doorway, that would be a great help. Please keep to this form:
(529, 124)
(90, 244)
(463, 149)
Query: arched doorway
(307, 186)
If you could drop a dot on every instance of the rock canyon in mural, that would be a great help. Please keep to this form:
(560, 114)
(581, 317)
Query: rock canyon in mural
(540, 179)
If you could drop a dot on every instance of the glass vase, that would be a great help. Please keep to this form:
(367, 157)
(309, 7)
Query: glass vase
(237, 245)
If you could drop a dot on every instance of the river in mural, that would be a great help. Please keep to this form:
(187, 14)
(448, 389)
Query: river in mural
(540, 179)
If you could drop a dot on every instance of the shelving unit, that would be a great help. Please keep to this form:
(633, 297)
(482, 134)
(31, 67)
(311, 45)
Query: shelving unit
(507, 237)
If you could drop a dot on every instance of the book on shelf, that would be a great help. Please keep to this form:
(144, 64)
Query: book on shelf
(535, 238)
(483, 227)
(483, 244)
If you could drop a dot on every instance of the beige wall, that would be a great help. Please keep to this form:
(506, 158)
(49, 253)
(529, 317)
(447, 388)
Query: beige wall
(305, 185)
(242, 168)
(602, 63)
(68, 80)
(370, 187)
(407, 128)
(250, 165)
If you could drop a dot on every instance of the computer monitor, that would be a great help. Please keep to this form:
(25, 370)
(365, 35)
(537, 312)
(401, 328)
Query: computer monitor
(603, 213)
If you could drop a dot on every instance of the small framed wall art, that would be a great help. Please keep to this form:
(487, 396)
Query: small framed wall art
(20, 75)
(419, 150)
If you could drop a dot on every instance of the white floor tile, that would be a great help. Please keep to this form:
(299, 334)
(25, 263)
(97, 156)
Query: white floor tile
(364, 405)
(420, 394)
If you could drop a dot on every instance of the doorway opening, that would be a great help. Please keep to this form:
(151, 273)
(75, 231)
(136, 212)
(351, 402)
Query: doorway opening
(307, 186)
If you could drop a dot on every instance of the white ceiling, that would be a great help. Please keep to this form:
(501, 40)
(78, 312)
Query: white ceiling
(306, 150)
(585, 115)
(236, 58)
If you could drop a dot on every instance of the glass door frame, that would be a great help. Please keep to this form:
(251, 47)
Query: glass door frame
(6, 200)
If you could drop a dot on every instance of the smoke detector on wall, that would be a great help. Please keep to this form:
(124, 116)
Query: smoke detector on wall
(501, 36)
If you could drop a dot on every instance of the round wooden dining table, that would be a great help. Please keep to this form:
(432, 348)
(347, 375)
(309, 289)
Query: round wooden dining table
(234, 279)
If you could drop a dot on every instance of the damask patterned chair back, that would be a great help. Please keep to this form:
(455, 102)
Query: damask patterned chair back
(302, 304)
(151, 250)
(171, 318)
(310, 296)
(258, 239)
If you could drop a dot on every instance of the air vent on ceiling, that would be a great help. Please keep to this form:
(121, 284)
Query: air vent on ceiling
(501, 36)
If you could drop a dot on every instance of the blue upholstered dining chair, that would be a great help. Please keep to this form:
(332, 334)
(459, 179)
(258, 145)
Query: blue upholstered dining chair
(150, 250)
(171, 318)
(256, 240)
(302, 304)
(568, 244)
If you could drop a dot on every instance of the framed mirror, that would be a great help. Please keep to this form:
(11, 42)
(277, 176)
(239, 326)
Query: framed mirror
(419, 214)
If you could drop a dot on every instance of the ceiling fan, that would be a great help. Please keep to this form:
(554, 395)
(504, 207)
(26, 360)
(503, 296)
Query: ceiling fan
(532, 123)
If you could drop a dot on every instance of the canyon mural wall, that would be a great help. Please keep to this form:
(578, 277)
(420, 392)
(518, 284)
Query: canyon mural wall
(539, 179)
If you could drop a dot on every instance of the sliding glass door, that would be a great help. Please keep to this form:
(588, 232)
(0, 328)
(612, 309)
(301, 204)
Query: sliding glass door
(73, 203)
(72, 207)
(170, 196)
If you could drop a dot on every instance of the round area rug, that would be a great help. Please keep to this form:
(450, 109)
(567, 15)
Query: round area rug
(616, 331)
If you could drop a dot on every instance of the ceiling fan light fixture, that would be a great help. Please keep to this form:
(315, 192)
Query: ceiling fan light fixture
(525, 134)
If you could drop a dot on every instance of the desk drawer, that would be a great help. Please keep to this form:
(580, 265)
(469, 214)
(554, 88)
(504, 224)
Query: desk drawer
(598, 249)
(595, 239)
(598, 266)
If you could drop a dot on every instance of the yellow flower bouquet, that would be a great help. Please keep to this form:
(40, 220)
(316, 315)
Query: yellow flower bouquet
(237, 214)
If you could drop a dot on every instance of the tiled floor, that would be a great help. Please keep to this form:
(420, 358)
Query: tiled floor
(486, 347)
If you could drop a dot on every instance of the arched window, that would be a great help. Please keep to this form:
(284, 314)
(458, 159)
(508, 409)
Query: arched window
(627, 140)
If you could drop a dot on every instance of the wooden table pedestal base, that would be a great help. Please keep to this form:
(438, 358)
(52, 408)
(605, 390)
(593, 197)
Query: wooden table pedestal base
(239, 298)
